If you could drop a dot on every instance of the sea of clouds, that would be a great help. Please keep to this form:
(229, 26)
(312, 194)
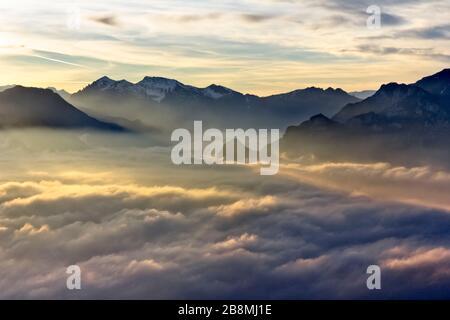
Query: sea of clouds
(141, 227)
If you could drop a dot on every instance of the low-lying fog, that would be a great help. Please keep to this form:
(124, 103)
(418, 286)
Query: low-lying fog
(141, 227)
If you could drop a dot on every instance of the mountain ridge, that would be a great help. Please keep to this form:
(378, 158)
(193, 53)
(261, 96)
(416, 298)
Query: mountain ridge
(168, 84)
(35, 107)
(218, 105)
(396, 122)
(393, 100)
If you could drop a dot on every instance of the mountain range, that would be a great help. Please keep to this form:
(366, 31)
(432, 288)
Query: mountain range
(399, 106)
(155, 104)
(157, 101)
(396, 118)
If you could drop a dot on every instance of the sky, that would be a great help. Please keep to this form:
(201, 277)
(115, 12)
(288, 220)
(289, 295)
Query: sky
(253, 46)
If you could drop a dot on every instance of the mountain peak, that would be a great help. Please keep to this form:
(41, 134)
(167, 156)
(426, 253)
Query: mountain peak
(217, 91)
(313, 89)
(438, 83)
(157, 87)
(444, 73)
(18, 89)
(396, 90)
(318, 122)
(104, 80)
(394, 101)
(329, 90)
(337, 90)
(159, 82)
(391, 86)
(320, 118)
(37, 107)
(105, 83)
(217, 87)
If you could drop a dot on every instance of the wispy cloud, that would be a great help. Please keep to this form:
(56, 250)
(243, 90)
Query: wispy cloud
(58, 61)
(267, 39)
(418, 52)
(435, 32)
(255, 18)
(110, 20)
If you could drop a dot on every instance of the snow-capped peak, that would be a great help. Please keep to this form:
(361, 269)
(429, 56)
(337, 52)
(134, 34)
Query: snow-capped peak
(159, 83)
(216, 92)
(105, 83)
(156, 87)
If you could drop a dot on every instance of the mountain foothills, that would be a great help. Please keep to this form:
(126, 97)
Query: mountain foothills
(407, 121)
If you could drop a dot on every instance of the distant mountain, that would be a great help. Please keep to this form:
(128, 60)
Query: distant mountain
(161, 101)
(33, 107)
(155, 89)
(63, 93)
(319, 123)
(309, 101)
(362, 94)
(400, 103)
(399, 120)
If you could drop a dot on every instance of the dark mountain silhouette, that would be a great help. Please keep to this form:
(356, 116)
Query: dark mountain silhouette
(438, 84)
(400, 103)
(319, 123)
(411, 122)
(33, 107)
(309, 101)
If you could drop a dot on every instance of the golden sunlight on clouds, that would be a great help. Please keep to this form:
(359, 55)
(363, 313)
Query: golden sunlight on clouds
(55, 190)
(133, 224)
(302, 265)
(263, 204)
(143, 265)
(29, 229)
(233, 243)
(419, 258)
(435, 260)
(421, 186)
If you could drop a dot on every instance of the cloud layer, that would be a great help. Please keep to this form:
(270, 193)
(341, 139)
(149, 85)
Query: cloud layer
(140, 227)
